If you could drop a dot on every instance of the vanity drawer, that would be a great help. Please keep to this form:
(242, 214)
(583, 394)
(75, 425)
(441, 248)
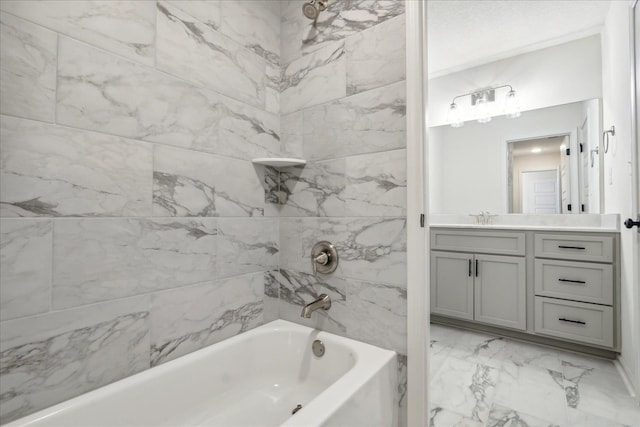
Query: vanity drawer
(574, 246)
(488, 242)
(587, 323)
(580, 281)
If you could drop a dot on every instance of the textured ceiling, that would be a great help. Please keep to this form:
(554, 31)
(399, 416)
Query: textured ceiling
(463, 34)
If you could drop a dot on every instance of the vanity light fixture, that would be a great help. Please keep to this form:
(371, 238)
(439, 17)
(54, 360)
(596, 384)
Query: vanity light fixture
(482, 105)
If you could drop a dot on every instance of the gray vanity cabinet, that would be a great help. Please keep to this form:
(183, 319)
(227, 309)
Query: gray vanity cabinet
(452, 284)
(501, 291)
(482, 287)
(552, 287)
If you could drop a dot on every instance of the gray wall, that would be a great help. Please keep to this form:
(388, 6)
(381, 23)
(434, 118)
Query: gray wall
(135, 228)
(133, 224)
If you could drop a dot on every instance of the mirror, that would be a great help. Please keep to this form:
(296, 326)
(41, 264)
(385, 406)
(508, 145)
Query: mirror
(547, 161)
(550, 55)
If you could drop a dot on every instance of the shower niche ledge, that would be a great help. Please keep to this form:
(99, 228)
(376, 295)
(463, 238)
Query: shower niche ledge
(279, 162)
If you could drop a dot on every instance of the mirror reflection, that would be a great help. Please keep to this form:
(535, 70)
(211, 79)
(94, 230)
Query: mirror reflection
(547, 161)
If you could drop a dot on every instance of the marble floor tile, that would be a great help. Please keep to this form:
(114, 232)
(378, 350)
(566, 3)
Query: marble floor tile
(537, 385)
(440, 417)
(501, 416)
(464, 387)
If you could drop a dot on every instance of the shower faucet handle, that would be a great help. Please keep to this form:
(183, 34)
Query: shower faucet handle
(324, 258)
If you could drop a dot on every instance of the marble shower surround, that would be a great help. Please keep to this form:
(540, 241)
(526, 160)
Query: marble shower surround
(133, 148)
(124, 243)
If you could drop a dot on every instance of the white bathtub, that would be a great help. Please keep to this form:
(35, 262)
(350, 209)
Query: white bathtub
(253, 379)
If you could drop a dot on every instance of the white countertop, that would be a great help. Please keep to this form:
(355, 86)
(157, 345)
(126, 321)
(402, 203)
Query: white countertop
(592, 223)
(527, 227)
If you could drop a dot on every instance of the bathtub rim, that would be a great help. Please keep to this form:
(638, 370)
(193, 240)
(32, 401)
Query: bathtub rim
(317, 410)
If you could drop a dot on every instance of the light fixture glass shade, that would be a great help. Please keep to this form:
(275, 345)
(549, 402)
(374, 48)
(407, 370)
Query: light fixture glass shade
(454, 116)
(482, 108)
(511, 105)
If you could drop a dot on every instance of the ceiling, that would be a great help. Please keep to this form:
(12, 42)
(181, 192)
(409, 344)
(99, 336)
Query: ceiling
(546, 146)
(463, 34)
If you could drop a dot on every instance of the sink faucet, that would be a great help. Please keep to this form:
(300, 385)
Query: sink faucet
(323, 302)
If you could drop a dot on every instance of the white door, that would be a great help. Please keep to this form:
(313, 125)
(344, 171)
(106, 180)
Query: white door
(585, 181)
(539, 192)
(565, 176)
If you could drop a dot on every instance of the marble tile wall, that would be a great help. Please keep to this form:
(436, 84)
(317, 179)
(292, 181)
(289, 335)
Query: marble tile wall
(132, 221)
(343, 109)
(133, 226)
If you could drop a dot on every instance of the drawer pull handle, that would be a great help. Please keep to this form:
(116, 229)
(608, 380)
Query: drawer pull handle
(572, 281)
(572, 247)
(579, 322)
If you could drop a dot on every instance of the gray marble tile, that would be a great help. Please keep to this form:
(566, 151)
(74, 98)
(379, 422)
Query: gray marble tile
(401, 391)
(377, 314)
(298, 289)
(365, 123)
(464, 388)
(291, 256)
(49, 170)
(25, 267)
(342, 18)
(584, 419)
(532, 390)
(247, 245)
(271, 184)
(48, 358)
(376, 184)
(370, 249)
(593, 386)
(376, 56)
(190, 183)
(28, 73)
(189, 318)
(441, 417)
(104, 259)
(314, 79)
(291, 134)
(206, 11)
(271, 309)
(191, 50)
(101, 92)
(480, 348)
(501, 416)
(255, 24)
(316, 189)
(272, 88)
(126, 28)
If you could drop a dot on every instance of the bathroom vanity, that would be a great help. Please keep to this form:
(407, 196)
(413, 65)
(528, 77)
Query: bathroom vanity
(553, 285)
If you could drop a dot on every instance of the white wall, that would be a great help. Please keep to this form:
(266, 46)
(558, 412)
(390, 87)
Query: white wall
(474, 178)
(616, 85)
(533, 162)
(591, 109)
(556, 75)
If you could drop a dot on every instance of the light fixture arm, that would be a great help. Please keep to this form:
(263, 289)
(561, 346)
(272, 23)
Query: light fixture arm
(481, 91)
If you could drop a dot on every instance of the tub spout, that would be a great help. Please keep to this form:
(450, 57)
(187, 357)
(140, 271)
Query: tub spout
(323, 302)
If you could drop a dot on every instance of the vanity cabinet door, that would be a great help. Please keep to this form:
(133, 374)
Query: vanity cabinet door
(452, 284)
(500, 293)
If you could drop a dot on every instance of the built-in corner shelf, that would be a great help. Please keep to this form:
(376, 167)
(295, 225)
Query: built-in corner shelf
(279, 162)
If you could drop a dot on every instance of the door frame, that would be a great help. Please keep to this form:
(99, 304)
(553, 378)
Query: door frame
(418, 312)
(634, 58)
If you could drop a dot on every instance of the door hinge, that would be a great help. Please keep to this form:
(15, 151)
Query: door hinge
(582, 207)
(422, 220)
(568, 151)
(569, 207)
(581, 147)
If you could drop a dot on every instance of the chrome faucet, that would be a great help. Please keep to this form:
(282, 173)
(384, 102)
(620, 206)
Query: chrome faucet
(323, 302)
